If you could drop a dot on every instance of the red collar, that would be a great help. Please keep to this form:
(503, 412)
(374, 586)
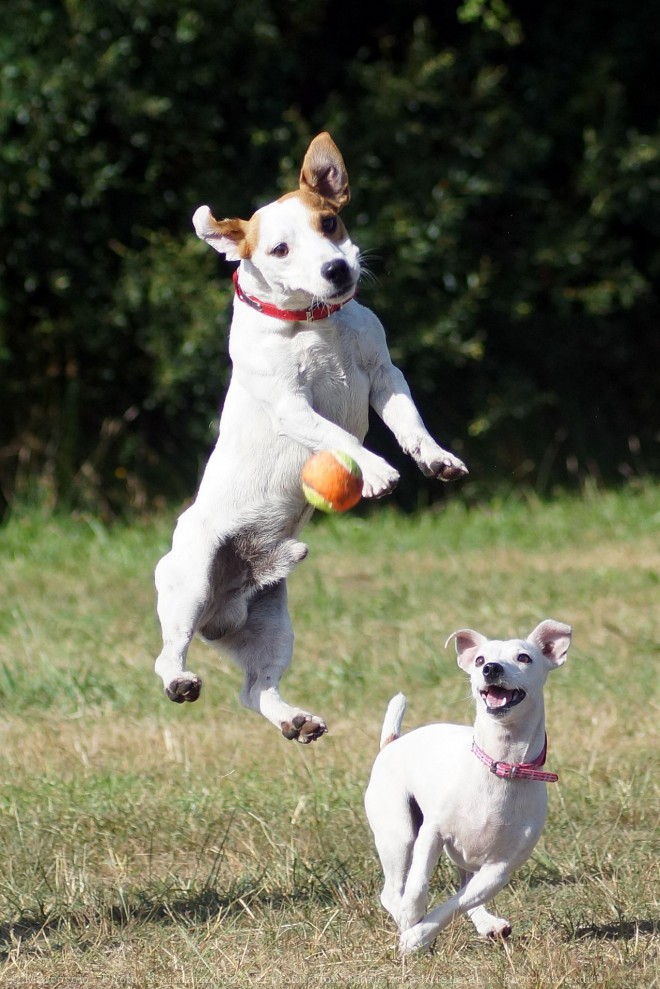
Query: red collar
(309, 315)
(517, 770)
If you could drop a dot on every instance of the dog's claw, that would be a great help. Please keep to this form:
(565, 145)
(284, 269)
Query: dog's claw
(451, 472)
(303, 728)
(186, 687)
(433, 461)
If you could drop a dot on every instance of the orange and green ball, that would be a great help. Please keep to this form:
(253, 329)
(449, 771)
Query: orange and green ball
(332, 481)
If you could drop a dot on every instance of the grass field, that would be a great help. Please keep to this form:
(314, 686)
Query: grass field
(148, 844)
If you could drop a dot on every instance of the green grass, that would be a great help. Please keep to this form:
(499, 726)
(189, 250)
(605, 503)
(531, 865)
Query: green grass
(154, 845)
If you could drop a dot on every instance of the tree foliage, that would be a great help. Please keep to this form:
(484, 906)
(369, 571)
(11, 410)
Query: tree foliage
(504, 167)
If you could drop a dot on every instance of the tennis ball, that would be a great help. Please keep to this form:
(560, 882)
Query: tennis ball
(332, 481)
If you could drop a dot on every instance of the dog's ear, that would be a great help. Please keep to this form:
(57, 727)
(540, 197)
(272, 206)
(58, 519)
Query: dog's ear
(323, 171)
(468, 644)
(553, 639)
(228, 237)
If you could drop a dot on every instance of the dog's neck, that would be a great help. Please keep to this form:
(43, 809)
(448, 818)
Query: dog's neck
(511, 741)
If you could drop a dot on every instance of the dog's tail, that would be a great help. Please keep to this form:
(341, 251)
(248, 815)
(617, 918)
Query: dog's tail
(393, 718)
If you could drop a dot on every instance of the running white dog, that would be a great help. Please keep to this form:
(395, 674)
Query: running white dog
(478, 793)
(308, 360)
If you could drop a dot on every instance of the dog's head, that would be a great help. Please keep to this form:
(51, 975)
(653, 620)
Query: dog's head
(506, 676)
(297, 247)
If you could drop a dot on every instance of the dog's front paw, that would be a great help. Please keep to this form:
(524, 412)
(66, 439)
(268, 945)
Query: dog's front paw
(304, 728)
(433, 461)
(414, 940)
(186, 687)
(378, 478)
(499, 928)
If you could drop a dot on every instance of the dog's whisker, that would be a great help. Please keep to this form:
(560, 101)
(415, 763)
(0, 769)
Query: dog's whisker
(366, 274)
(369, 277)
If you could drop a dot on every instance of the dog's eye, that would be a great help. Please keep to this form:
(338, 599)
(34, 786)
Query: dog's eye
(524, 658)
(479, 661)
(329, 224)
(280, 250)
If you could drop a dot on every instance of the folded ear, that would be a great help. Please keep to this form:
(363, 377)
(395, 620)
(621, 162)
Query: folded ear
(553, 639)
(228, 237)
(468, 644)
(323, 171)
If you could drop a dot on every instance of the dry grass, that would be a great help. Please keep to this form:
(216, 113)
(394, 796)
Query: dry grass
(150, 845)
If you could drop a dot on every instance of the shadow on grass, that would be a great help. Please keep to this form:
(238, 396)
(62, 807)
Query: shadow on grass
(170, 904)
(625, 930)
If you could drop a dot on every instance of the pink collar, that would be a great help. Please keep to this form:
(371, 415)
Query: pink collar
(517, 770)
(309, 315)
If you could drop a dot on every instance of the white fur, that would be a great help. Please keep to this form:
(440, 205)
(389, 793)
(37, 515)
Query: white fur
(296, 388)
(428, 792)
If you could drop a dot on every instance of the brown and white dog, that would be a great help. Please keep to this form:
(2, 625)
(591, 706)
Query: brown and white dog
(308, 361)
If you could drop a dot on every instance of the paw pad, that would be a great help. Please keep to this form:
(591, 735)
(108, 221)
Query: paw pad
(185, 688)
(303, 728)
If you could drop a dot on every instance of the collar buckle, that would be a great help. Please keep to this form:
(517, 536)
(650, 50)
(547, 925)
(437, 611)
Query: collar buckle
(321, 311)
(504, 770)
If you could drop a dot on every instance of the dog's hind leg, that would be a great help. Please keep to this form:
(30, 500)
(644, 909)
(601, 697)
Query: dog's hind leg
(395, 820)
(395, 847)
(181, 599)
(263, 648)
(182, 583)
(426, 853)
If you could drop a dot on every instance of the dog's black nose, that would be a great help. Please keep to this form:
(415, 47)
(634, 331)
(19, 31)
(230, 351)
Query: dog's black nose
(491, 671)
(336, 271)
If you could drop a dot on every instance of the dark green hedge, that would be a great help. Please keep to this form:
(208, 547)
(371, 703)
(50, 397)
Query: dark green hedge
(505, 175)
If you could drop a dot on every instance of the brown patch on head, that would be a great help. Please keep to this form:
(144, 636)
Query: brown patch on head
(310, 199)
(243, 234)
(329, 225)
(230, 236)
(323, 214)
(252, 236)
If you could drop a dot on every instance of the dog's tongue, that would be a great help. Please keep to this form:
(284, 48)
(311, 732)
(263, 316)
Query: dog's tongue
(497, 697)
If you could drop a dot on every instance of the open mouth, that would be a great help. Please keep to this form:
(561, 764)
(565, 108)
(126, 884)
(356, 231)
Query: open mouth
(498, 700)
